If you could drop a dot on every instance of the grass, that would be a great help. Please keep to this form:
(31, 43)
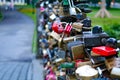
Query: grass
(115, 17)
(110, 25)
(28, 10)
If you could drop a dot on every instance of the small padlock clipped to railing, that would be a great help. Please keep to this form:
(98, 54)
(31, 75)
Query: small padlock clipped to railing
(68, 29)
(72, 9)
(58, 28)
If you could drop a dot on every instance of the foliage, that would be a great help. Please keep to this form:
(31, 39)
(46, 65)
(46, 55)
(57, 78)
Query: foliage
(113, 30)
(34, 43)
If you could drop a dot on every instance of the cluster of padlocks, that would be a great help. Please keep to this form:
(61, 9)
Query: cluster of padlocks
(71, 48)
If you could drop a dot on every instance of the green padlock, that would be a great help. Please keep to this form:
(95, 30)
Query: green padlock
(67, 65)
(65, 3)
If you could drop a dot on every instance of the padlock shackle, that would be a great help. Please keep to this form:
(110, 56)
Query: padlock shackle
(70, 3)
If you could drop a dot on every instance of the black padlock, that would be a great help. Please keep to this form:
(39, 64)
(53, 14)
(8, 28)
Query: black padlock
(87, 22)
(97, 29)
(112, 42)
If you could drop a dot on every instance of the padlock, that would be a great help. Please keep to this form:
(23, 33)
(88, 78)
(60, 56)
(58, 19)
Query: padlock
(72, 11)
(76, 49)
(68, 29)
(42, 9)
(77, 26)
(112, 62)
(104, 51)
(54, 35)
(67, 65)
(97, 30)
(57, 27)
(86, 72)
(115, 73)
(86, 22)
(51, 75)
(52, 16)
(111, 42)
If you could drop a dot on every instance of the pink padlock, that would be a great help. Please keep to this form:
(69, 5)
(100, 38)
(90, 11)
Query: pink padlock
(42, 9)
(51, 75)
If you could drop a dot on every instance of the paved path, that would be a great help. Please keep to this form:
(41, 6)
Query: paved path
(15, 70)
(16, 59)
(16, 31)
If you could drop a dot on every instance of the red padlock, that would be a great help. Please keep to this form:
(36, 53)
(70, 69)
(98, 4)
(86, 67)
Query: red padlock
(68, 29)
(104, 50)
(57, 27)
